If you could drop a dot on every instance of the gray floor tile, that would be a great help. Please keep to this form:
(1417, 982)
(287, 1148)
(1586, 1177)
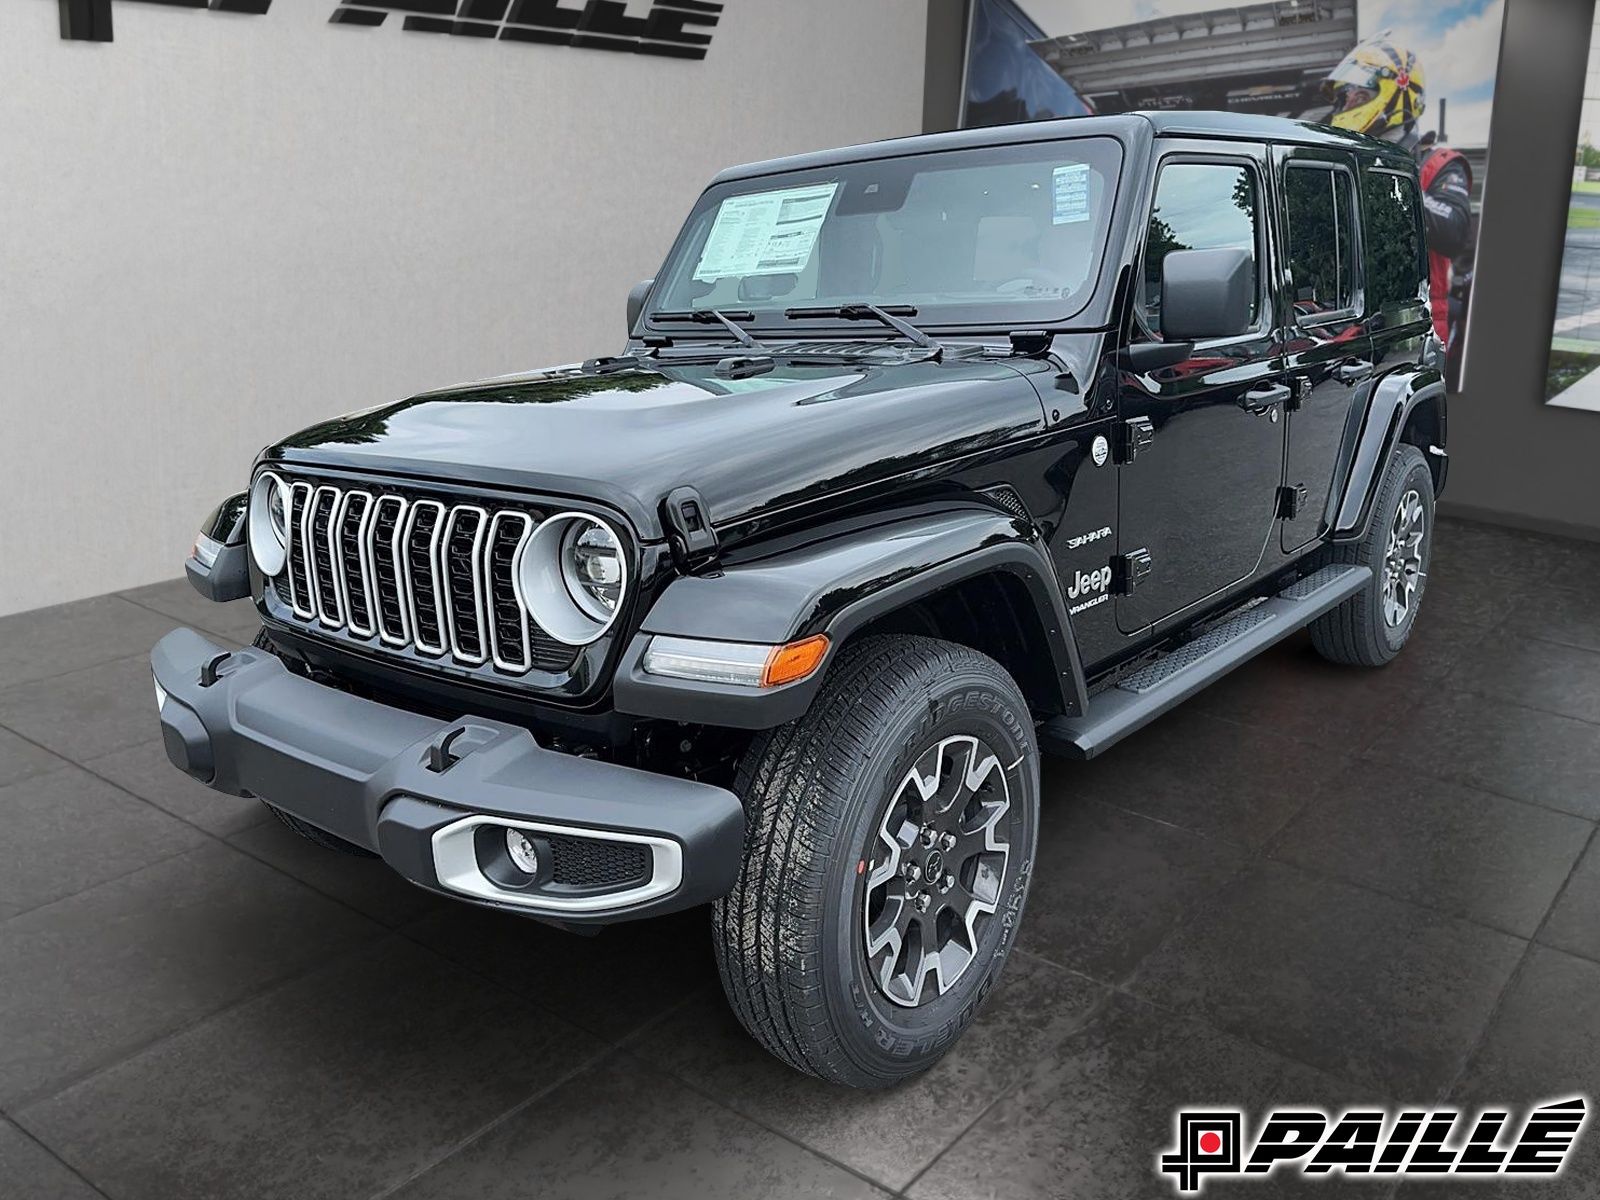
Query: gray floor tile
(1543, 675)
(30, 1172)
(1558, 615)
(336, 1085)
(95, 976)
(1094, 1120)
(1363, 986)
(237, 621)
(1293, 691)
(1581, 570)
(21, 759)
(1543, 1045)
(1496, 552)
(146, 771)
(88, 713)
(1574, 925)
(1108, 885)
(1467, 852)
(67, 830)
(1214, 777)
(610, 984)
(1473, 603)
(68, 637)
(890, 1135)
(620, 1130)
(367, 884)
(1506, 748)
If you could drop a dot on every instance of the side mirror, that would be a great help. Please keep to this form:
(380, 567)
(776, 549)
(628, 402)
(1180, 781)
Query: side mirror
(636, 300)
(1207, 294)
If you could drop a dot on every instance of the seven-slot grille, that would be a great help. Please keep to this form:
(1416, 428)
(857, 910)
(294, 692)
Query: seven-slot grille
(413, 572)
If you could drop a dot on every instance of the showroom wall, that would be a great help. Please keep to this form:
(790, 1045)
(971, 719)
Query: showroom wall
(1514, 459)
(220, 227)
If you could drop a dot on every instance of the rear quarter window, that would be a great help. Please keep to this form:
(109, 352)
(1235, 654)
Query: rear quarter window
(1395, 266)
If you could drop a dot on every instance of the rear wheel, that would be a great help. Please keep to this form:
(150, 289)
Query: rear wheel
(889, 844)
(1371, 627)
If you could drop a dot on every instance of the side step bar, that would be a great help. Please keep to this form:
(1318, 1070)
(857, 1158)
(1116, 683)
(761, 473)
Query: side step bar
(1143, 696)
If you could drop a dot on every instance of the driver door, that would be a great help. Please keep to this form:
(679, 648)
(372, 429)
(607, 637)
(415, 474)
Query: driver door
(1202, 441)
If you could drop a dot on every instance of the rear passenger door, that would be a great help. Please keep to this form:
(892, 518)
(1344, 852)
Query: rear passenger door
(1327, 347)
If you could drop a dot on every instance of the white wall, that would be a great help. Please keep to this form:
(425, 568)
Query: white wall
(217, 229)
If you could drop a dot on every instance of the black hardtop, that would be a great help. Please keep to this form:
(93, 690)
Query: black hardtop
(1131, 128)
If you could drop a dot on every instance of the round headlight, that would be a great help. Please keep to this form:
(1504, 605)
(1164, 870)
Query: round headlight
(572, 577)
(591, 567)
(269, 523)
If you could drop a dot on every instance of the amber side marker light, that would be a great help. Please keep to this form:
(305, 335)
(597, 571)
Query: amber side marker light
(786, 664)
(742, 664)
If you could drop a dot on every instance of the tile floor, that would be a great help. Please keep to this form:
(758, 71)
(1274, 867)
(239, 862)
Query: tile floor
(1312, 885)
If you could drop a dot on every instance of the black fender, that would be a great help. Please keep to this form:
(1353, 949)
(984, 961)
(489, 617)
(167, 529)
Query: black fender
(228, 576)
(836, 585)
(1392, 400)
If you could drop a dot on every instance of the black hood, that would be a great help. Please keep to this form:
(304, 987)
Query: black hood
(627, 438)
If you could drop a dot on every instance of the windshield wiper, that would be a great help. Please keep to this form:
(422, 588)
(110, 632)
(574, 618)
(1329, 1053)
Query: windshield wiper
(711, 316)
(888, 315)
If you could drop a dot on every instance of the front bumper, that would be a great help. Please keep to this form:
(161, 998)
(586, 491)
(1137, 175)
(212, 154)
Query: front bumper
(433, 797)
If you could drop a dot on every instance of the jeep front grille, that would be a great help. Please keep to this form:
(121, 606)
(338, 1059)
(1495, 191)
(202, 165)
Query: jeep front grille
(404, 571)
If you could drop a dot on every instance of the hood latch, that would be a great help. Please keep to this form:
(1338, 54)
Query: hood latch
(688, 524)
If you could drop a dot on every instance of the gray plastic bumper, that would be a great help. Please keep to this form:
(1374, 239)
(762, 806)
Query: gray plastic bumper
(421, 792)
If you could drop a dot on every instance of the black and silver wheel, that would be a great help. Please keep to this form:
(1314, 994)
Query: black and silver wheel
(1371, 627)
(934, 877)
(889, 845)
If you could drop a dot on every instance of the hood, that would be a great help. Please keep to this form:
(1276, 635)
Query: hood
(751, 447)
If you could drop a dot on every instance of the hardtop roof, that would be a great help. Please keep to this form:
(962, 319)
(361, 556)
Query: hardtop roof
(1125, 126)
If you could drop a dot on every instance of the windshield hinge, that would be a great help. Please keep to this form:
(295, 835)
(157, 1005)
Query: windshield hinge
(1031, 343)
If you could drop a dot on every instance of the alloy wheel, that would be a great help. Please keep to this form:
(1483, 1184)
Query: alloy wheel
(1403, 560)
(936, 870)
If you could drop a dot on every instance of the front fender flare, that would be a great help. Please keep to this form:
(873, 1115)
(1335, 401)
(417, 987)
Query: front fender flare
(227, 577)
(836, 585)
(1391, 403)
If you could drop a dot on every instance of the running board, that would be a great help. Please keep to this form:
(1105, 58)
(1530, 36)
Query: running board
(1144, 695)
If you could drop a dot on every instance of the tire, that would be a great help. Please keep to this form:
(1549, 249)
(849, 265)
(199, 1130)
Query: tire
(311, 833)
(820, 878)
(1370, 628)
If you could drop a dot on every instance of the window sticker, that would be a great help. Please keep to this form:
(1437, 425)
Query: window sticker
(770, 233)
(1071, 194)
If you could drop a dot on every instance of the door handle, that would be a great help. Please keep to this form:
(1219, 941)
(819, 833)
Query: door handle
(1265, 399)
(1353, 372)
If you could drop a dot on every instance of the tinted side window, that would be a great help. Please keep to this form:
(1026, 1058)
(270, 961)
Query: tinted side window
(1321, 240)
(1199, 206)
(1394, 240)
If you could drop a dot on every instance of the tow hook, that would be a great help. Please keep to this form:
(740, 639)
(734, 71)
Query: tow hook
(443, 753)
(208, 670)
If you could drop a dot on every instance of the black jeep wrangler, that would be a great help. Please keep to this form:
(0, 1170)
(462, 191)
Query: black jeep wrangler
(921, 457)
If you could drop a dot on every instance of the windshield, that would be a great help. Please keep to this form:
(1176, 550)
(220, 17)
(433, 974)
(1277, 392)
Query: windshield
(1005, 235)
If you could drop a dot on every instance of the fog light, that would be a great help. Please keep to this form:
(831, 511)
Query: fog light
(520, 848)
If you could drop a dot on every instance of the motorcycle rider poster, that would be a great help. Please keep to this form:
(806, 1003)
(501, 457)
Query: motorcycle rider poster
(1419, 73)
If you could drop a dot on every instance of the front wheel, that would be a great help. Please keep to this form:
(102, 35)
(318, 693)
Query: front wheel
(890, 840)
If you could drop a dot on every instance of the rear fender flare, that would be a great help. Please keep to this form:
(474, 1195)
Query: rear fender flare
(1393, 399)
